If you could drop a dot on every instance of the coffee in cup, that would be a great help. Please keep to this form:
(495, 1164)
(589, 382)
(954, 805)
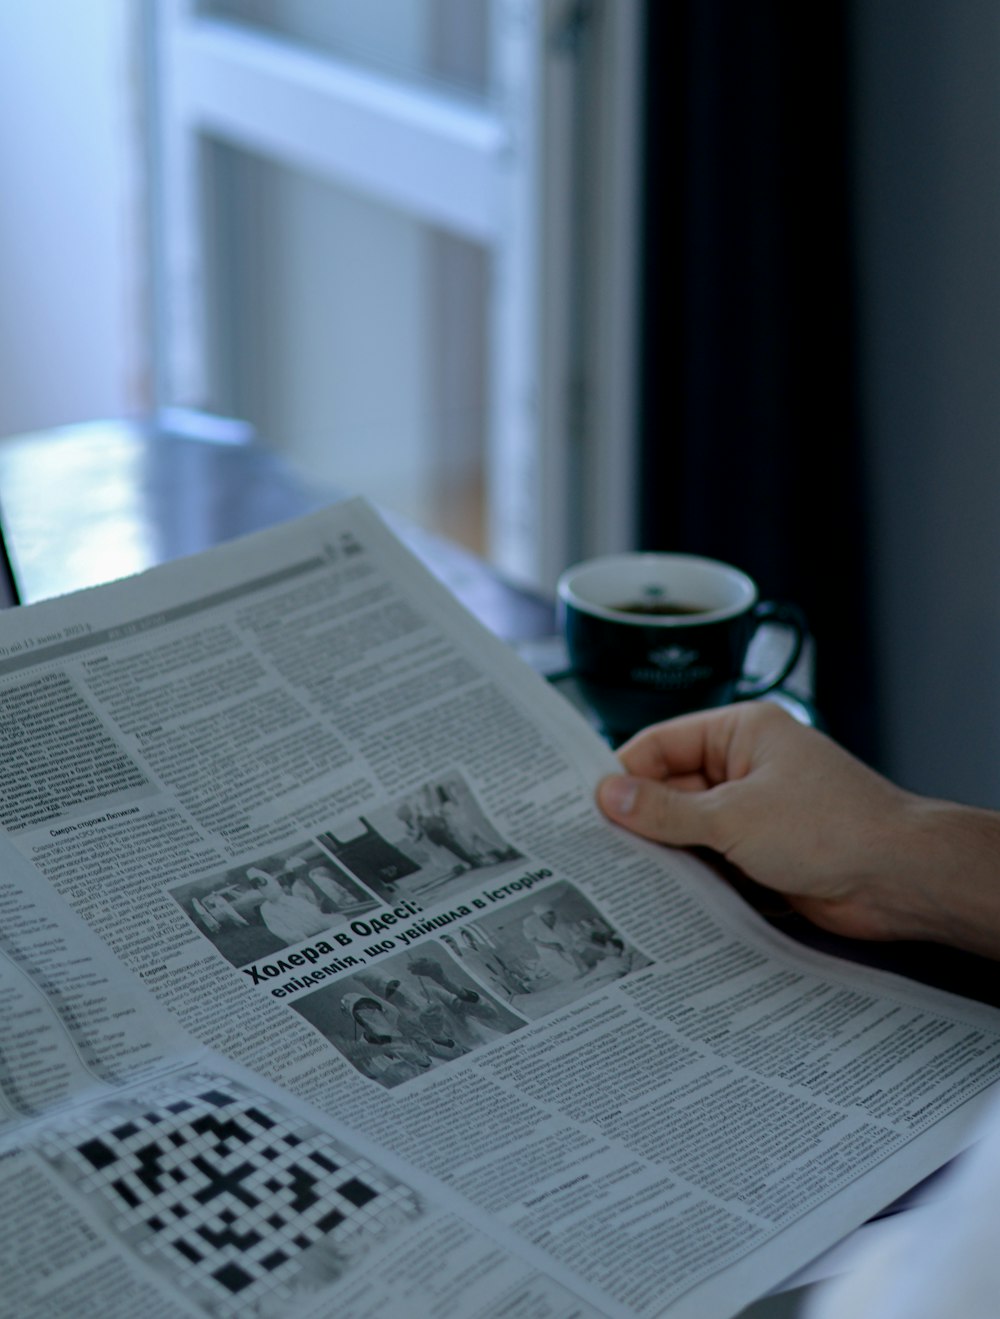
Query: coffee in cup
(650, 636)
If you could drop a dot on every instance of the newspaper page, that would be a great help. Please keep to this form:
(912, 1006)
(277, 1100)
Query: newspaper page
(70, 1023)
(201, 1189)
(348, 841)
(141, 1174)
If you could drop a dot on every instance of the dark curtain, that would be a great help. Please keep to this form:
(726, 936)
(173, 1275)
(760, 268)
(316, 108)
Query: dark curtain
(751, 442)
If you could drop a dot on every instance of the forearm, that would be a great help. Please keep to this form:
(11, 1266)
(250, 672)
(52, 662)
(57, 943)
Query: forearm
(932, 873)
(944, 884)
(902, 867)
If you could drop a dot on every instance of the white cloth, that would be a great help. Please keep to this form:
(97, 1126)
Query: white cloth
(940, 1261)
(292, 919)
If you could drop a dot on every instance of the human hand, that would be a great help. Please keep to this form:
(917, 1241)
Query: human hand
(791, 809)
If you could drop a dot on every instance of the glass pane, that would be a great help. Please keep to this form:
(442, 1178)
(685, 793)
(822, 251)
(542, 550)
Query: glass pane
(353, 337)
(443, 42)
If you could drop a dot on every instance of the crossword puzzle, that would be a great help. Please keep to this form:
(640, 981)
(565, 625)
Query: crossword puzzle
(237, 1199)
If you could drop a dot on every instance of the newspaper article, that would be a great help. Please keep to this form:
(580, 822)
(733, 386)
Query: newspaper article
(343, 839)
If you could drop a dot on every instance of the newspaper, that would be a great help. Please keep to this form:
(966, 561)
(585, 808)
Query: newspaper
(327, 985)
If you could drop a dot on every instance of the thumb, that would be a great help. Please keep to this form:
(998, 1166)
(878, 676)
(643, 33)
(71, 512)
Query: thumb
(652, 809)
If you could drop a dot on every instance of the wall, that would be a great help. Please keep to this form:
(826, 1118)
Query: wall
(928, 207)
(71, 310)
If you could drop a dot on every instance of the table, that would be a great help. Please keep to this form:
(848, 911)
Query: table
(87, 503)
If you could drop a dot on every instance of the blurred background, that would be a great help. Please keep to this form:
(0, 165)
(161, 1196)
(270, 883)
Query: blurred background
(556, 278)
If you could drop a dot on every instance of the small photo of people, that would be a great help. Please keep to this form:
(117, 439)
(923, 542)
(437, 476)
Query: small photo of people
(423, 846)
(254, 909)
(544, 951)
(414, 1012)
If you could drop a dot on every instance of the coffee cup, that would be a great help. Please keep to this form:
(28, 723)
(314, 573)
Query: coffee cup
(650, 636)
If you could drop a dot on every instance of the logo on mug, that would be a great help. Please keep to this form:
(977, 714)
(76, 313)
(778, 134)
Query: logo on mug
(672, 657)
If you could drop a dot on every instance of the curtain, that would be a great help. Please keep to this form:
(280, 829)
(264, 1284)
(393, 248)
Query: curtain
(751, 443)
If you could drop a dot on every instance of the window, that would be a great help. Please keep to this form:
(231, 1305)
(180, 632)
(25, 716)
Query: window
(398, 238)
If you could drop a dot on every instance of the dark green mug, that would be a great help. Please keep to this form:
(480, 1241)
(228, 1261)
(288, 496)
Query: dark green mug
(650, 636)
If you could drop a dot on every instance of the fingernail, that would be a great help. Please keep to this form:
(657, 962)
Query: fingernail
(618, 794)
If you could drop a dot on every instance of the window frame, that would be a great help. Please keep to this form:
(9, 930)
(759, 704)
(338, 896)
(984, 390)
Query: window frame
(560, 124)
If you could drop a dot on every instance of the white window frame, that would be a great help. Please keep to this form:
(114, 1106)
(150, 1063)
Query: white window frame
(561, 445)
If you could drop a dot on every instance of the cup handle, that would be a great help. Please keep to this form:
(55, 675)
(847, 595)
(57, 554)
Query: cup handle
(785, 615)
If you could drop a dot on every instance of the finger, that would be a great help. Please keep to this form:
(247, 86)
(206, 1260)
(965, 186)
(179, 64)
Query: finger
(690, 744)
(664, 814)
(689, 783)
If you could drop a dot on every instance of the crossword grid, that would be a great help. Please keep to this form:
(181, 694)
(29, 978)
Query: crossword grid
(232, 1190)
